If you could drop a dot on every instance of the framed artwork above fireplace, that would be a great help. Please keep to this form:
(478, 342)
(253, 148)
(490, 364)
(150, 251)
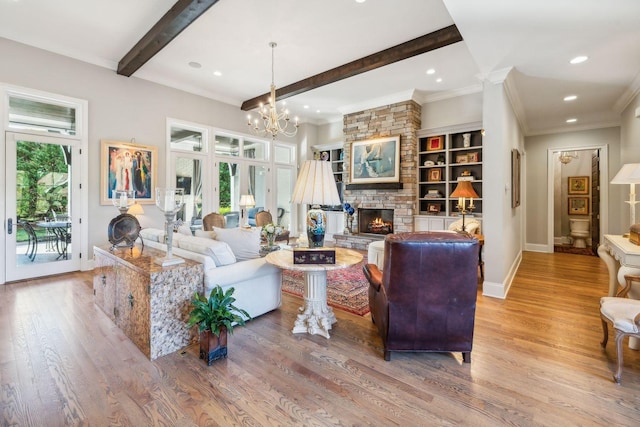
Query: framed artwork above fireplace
(375, 160)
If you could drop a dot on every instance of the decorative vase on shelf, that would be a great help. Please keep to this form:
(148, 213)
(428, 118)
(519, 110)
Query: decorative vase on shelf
(169, 201)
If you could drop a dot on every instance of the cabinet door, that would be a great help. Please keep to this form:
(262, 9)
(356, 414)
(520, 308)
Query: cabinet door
(132, 307)
(104, 287)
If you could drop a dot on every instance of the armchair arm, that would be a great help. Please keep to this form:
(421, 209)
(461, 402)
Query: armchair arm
(373, 275)
(629, 278)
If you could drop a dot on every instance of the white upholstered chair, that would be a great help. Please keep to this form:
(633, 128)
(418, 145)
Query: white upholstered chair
(624, 314)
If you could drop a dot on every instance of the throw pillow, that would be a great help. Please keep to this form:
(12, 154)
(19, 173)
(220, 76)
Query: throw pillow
(152, 234)
(185, 229)
(244, 242)
(219, 252)
(206, 234)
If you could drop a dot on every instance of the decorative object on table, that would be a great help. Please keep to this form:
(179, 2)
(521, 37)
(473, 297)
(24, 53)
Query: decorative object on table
(314, 256)
(123, 231)
(215, 317)
(634, 234)
(349, 211)
(629, 174)
(315, 186)
(578, 205)
(169, 201)
(270, 232)
(466, 140)
(123, 200)
(246, 201)
(435, 143)
(274, 122)
(578, 185)
(464, 190)
(375, 160)
(127, 166)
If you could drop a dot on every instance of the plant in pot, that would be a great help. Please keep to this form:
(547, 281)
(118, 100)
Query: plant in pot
(215, 316)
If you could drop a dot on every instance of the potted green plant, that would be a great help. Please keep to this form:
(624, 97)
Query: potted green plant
(215, 316)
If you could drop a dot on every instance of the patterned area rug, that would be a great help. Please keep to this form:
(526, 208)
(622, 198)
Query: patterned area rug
(347, 289)
(568, 249)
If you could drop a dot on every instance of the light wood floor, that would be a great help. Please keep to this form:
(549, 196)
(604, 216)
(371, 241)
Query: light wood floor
(536, 361)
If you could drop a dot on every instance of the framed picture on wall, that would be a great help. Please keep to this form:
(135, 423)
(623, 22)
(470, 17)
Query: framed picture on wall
(375, 160)
(578, 185)
(435, 143)
(578, 206)
(126, 166)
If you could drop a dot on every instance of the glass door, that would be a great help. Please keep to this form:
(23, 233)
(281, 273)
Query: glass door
(40, 206)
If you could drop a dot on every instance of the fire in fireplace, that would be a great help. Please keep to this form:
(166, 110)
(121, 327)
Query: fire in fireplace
(375, 221)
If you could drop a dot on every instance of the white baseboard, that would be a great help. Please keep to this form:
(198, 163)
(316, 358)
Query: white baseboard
(500, 290)
(533, 247)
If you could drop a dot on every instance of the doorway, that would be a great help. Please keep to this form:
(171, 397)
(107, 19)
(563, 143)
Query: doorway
(584, 167)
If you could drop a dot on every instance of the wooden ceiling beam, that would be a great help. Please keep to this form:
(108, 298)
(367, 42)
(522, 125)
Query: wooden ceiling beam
(417, 46)
(180, 16)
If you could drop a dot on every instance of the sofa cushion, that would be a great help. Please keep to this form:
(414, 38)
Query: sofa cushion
(206, 234)
(152, 234)
(219, 251)
(244, 242)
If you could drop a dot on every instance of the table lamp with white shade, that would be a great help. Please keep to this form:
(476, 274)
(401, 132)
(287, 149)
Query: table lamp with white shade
(316, 186)
(246, 201)
(629, 174)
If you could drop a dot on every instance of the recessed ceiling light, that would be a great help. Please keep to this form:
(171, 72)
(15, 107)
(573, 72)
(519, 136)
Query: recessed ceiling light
(306, 107)
(194, 64)
(431, 71)
(360, 1)
(317, 111)
(217, 73)
(579, 59)
(570, 97)
(439, 80)
(572, 120)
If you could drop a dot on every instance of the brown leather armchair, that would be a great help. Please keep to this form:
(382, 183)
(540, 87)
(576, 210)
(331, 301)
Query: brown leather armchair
(424, 299)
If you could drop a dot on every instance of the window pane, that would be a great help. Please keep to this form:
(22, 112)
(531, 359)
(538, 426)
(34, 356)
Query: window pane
(283, 154)
(186, 139)
(258, 184)
(189, 178)
(255, 150)
(227, 146)
(40, 116)
(229, 181)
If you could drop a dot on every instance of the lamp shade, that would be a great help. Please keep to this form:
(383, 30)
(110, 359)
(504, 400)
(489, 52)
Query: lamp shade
(247, 200)
(629, 174)
(136, 209)
(465, 189)
(315, 184)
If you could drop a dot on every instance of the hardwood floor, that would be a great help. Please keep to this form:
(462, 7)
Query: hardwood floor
(536, 360)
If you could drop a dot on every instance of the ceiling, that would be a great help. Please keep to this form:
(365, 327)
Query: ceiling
(535, 39)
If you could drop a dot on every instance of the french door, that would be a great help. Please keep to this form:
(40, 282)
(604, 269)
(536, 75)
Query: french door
(42, 210)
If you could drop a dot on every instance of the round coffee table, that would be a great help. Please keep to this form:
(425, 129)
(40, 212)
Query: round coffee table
(315, 317)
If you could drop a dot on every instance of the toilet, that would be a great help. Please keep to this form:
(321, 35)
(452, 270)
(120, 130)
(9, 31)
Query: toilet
(579, 232)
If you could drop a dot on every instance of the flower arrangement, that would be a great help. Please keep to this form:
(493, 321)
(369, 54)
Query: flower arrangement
(348, 216)
(270, 231)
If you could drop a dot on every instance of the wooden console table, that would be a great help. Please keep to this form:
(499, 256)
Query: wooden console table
(150, 304)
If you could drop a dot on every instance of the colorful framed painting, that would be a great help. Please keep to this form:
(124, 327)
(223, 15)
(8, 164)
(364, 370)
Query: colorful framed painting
(375, 160)
(127, 166)
(578, 206)
(579, 185)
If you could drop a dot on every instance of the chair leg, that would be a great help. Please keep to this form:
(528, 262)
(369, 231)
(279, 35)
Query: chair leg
(605, 329)
(387, 355)
(619, 338)
(466, 356)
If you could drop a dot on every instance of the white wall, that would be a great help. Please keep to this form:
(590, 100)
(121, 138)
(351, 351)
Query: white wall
(331, 133)
(120, 109)
(452, 111)
(502, 224)
(537, 176)
(629, 153)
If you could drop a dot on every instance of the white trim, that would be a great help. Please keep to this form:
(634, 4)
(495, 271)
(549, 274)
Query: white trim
(500, 290)
(393, 98)
(440, 96)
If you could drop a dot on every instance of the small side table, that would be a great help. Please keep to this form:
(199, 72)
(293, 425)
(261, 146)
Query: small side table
(315, 317)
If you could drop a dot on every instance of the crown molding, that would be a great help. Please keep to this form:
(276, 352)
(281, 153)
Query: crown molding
(629, 95)
(440, 96)
(369, 104)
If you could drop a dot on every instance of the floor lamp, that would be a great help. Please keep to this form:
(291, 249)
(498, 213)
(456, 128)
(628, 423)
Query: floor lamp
(629, 174)
(316, 186)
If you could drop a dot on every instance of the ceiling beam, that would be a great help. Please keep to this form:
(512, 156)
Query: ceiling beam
(180, 16)
(417, 46)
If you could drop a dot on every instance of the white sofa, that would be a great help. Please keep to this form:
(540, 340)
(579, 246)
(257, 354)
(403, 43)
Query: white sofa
(233, 263)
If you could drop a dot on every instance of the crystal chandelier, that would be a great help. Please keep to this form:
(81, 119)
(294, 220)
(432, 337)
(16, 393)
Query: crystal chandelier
(273, 122)
(566, 157)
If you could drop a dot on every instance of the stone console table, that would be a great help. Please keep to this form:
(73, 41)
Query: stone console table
(150, 304)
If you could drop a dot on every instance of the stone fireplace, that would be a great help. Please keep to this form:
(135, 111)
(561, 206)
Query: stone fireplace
(375, 221)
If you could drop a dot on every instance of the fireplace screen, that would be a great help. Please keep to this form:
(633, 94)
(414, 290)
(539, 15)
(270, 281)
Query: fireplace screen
(375, 221)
